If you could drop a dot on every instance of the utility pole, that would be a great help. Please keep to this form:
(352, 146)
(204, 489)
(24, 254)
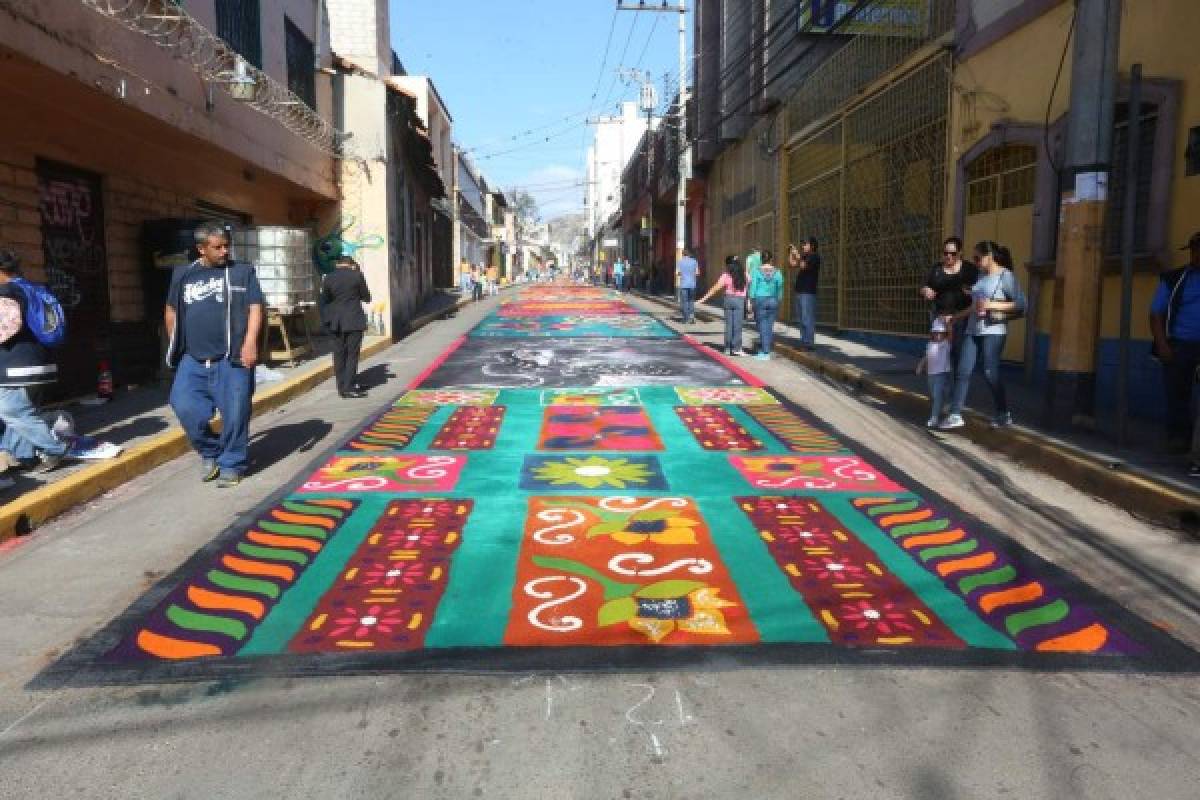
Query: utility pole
(684, 153)
(1079, 271)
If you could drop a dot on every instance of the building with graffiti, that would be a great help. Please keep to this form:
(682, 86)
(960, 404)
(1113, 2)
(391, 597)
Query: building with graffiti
(108, 131)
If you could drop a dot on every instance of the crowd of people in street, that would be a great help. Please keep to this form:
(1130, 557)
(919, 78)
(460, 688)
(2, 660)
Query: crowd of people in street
(477, 281)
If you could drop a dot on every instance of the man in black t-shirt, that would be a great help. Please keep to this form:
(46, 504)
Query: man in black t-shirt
(807, 263)
(214, 315)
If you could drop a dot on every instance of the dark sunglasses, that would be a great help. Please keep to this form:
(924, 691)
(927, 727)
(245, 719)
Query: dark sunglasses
(949, 252)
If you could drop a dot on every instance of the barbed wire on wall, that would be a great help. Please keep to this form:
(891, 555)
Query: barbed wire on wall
(171, 28)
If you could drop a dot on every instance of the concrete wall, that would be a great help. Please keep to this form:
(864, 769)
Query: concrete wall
(106, 58)
(359, 33)
(366, 187)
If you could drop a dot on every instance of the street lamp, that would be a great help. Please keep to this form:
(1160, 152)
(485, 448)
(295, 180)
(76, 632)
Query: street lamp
(242, 85)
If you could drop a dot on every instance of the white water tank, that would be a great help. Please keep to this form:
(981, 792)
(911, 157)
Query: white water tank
(283, 259)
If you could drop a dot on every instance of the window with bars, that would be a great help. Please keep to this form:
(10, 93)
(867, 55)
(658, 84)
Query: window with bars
(239, 23)
(1003, 177)
(1117, 192)
(301, 64)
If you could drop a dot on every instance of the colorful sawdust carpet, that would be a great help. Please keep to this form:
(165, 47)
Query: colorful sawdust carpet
(565, 522)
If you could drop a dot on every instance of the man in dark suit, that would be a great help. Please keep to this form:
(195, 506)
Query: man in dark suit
(344, 291)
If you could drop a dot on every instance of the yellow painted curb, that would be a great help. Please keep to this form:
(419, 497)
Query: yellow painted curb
(22, 514)
(1130, 490)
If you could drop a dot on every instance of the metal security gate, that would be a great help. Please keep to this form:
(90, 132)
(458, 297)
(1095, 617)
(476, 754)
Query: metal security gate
(871, 186)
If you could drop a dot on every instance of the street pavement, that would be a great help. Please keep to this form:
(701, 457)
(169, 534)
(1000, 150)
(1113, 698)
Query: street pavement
(797, 720)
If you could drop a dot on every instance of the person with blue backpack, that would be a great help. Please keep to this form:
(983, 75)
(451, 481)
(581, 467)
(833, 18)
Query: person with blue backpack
(31, 321)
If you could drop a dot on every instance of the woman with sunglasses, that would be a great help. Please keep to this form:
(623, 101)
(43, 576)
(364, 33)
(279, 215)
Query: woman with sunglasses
(995, 299)
(948, 289)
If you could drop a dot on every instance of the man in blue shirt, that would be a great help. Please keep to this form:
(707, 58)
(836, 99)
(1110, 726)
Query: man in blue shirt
(685, 281)
(214, 315)
(1175, 324)
(619, 274)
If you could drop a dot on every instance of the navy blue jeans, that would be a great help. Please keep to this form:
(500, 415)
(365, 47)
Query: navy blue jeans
(198, 391)
(687, 304)
(766, 309)
(805, 317)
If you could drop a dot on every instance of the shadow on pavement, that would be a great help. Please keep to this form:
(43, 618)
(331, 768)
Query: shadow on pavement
(273, 444)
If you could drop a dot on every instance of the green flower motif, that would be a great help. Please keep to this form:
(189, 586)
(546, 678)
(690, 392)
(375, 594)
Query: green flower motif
(593, 472)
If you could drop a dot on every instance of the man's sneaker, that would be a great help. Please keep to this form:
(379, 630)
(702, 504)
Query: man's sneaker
(1194, 470)
(951, 422)
(6, 483)
(1002, 421)
(228, 480)
(48, 462)
(209, 470)
(763, 356)
(931, 423)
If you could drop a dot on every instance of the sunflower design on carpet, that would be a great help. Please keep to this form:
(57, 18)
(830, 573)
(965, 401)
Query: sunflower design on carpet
(592, 472)
(651, 525)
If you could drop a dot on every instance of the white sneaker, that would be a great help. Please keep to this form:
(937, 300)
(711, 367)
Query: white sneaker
(951, 422)
(931, 423)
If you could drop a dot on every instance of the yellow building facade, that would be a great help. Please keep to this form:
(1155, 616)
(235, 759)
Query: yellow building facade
(1007, 127)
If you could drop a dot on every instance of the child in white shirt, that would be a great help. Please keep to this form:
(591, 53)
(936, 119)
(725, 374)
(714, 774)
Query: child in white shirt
(936, 365)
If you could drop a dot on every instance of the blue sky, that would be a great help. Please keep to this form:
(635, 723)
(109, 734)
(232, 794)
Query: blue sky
(505, 67)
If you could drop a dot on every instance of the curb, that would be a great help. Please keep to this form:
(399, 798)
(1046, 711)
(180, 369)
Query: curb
(21, 515)
(1129, 488)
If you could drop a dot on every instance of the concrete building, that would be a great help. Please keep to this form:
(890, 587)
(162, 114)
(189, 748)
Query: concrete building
(435, 116)
(104, 131)
(473, 227)
(736, 127)
(502, 221)
(613, 144)
(389, 179)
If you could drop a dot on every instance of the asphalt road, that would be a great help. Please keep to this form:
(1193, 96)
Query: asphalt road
(795, 732)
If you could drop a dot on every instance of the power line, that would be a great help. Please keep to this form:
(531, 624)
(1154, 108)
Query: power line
(624, 50)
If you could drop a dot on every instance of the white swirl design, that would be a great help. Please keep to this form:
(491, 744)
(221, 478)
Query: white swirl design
(803, 481)
(622, 504)
(364, 484)
(851, 469)
(557, 515)
(433, 469)
(696, 566)
(560, 624)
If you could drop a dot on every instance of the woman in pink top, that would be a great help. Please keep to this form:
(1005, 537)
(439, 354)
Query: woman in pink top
(733, 283)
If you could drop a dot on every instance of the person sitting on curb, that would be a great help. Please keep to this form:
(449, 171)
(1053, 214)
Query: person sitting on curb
(214, 315)
(25, 365)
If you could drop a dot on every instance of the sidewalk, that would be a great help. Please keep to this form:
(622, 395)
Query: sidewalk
(1140, 477)
(140, 420)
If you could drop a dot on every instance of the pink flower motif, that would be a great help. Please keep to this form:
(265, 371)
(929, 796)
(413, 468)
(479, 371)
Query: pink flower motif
(804, 537)
(384, 574)
(414, 539)
(884, 619)
(833, 569)
(365, 624)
